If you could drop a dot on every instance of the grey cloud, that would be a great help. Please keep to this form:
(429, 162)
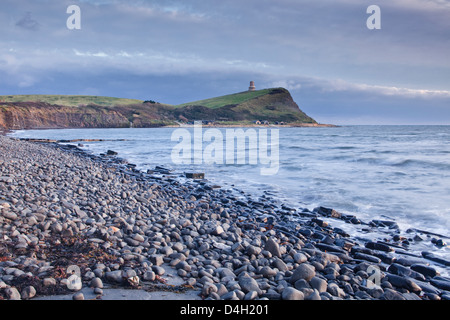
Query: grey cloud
(321, 50)
(28, 23)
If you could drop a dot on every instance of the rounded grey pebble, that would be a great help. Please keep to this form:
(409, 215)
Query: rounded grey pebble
(191, 281)
(149, 276)
(98, 291)
(114, 276)
(251, 295)
(96, 283)
(158, 270)
(78, 296)
(303, 271)
(319, 284)
(28, 292)
(314, 295)
(12, 294)
(182, 273)
(292, 294)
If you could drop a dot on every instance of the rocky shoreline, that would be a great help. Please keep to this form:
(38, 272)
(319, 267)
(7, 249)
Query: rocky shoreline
(72, 221)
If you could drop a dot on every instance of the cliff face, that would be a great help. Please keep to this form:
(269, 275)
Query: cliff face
(267, 105)
(30, 115)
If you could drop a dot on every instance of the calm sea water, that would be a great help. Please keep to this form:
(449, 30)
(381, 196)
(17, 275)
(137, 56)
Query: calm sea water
(375, 172)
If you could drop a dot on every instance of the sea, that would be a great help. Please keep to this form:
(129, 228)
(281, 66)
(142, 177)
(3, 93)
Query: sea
(383, 172)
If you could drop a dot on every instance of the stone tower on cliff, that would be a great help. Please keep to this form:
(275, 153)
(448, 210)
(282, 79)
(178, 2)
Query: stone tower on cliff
(252, 86)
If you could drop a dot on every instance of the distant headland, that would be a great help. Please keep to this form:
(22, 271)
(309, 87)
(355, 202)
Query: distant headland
(273, 107)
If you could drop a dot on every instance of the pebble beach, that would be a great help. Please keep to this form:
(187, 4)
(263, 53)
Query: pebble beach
(75, 224)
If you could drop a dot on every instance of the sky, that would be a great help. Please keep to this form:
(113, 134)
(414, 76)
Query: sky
(337, 69)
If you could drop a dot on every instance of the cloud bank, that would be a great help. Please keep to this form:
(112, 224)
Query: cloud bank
(322, 52)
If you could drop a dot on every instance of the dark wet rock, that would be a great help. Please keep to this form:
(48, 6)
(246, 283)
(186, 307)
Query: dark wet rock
(354, 220)
(192, 175)
(379, 246)
(328, 212)
(306, 232)
(427, 271)
(111, 153)
(385, 257)
(400, 270)
(367, 257)
(341, 232)
(409, 261)
(319, 223)
(390, 294)
(375, 292)
(330, 248)
(385, 223)
(411, 296)
(441, 283)
(428, 287)
(403, 282)
(445, 296)
(438, 242)
(431, 256)
(363, 295)
(432, 296)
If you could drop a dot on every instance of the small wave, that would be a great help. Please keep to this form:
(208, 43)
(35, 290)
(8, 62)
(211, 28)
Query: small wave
(404, 163)
(381, 151)
(370, 160)
(421, 163)
(341, 157)
(292, 168)
(345, 148)
(301, 148)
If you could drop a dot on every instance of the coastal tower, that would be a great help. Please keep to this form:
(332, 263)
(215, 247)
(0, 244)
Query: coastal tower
(252, 86)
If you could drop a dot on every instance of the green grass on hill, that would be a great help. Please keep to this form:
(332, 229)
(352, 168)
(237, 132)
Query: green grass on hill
(230, 99)
(69, 100)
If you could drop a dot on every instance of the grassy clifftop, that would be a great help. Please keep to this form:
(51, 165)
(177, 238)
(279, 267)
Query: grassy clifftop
(230, 99)
(69, 100)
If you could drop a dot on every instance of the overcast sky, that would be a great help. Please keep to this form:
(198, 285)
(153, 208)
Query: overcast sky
(337, 70)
